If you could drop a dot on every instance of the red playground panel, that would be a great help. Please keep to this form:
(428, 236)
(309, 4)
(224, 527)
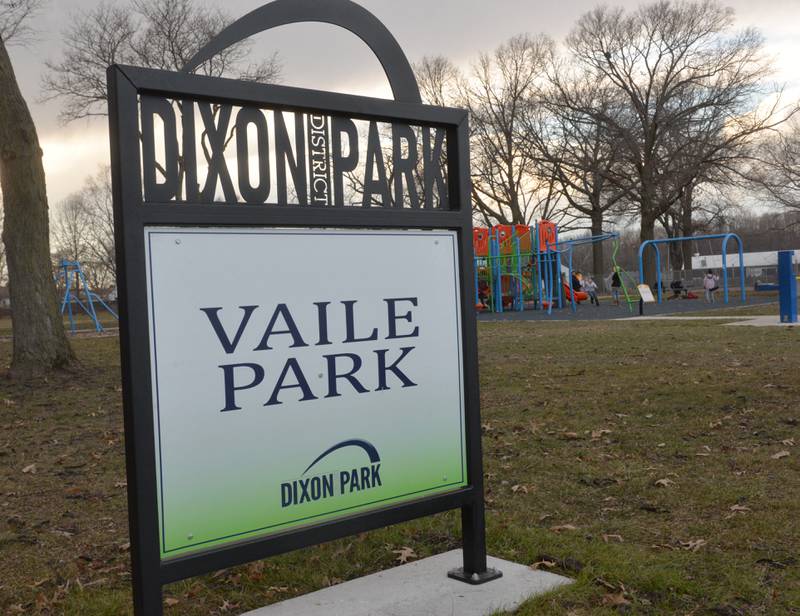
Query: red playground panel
(505, 234)
(548, 235)
(480, 241)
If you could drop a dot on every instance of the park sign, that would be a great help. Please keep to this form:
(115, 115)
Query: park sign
(298, 337)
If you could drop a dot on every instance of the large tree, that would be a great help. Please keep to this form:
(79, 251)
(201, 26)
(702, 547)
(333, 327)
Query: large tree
(40, 343)
(509, 184)
(162, 34)
(692, 86)
(579, 152)
(775, 169)
(83, 229)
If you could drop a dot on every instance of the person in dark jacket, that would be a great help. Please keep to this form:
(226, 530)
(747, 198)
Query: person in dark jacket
(616, 285)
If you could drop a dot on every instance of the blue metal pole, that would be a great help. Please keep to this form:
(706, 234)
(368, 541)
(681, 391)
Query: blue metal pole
(741, 268)
(68, 297)
(497, 283)
(725, 268)
(571, 288)
(658, 271)
(549, 281)
(97, 325)
(519, 300)
(787, 284)
(477, 290)
(539, 272)
(557, 285)
(641, 260)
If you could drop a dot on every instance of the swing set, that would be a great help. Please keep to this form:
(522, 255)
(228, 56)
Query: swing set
(725, 237)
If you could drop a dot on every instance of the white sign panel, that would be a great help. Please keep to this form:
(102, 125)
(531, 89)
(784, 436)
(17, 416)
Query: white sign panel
(646, 293)
(300, 375)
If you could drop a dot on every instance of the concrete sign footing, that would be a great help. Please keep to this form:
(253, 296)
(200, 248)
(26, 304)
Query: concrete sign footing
(422, 588)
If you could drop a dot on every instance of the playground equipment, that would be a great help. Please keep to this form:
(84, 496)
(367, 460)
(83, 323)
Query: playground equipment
(549, 268)
(518, 267)
(629, 286)
(788, 287)
(594, 239)
(71, 273)
(725, 237)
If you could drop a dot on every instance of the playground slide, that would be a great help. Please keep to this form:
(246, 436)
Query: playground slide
(580, 296)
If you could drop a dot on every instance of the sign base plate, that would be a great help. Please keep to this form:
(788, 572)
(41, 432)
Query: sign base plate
(422, 588)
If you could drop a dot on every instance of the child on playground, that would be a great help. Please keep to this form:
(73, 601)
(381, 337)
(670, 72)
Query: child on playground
(577, 285)
(590, 286)
(710, 285)
(616, 284)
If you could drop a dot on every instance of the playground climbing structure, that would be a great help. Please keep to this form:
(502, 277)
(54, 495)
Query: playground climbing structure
(78, 295)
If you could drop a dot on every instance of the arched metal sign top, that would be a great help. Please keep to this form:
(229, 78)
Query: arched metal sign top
(343, 13)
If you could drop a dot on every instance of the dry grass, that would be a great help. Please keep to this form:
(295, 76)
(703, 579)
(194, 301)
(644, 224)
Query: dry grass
(638, 458)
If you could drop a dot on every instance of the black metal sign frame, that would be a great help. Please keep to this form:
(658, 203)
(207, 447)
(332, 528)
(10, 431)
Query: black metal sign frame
(133, 214)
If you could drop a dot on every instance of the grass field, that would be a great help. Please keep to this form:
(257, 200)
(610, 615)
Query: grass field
(82, 322)
(656, 463)
(737, 310)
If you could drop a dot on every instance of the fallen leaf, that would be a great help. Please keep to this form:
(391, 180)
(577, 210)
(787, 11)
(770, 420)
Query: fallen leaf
(693, 545)
(31, 468)
(543, 564)
(572, 436)
(563, 527)
(777, 456)
(615, 599)
(609, 538)
(789, 442)
(596, 434)
(404, 554)
(664, 483)
(171, 601)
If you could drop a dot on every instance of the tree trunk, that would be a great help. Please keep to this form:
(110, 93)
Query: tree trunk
(40, 343)
(598, 256)
(687, 224)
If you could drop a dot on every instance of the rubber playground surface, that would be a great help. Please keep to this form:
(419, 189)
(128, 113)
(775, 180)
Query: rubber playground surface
(608, 311)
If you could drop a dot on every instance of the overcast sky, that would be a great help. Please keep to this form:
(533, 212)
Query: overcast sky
(324, 57)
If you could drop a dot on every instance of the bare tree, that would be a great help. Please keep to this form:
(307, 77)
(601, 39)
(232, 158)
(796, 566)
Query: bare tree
(438, 80)
(69, 229)
(98, 198)
(15, 18)
(691, 86)
(580, 152)
(40, 343)
(775, 171)
(162, 34)
(83, 229)
(509, 187)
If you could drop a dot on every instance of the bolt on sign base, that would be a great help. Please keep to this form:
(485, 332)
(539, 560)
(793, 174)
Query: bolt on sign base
(474, 578)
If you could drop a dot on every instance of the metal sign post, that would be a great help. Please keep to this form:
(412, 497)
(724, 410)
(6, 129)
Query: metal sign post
(237, 215)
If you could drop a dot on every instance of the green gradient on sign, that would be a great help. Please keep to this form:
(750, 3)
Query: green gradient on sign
(400, 483)
(221, 471)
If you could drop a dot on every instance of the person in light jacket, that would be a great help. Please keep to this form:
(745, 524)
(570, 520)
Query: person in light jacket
(710, 285)
(590, 286)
